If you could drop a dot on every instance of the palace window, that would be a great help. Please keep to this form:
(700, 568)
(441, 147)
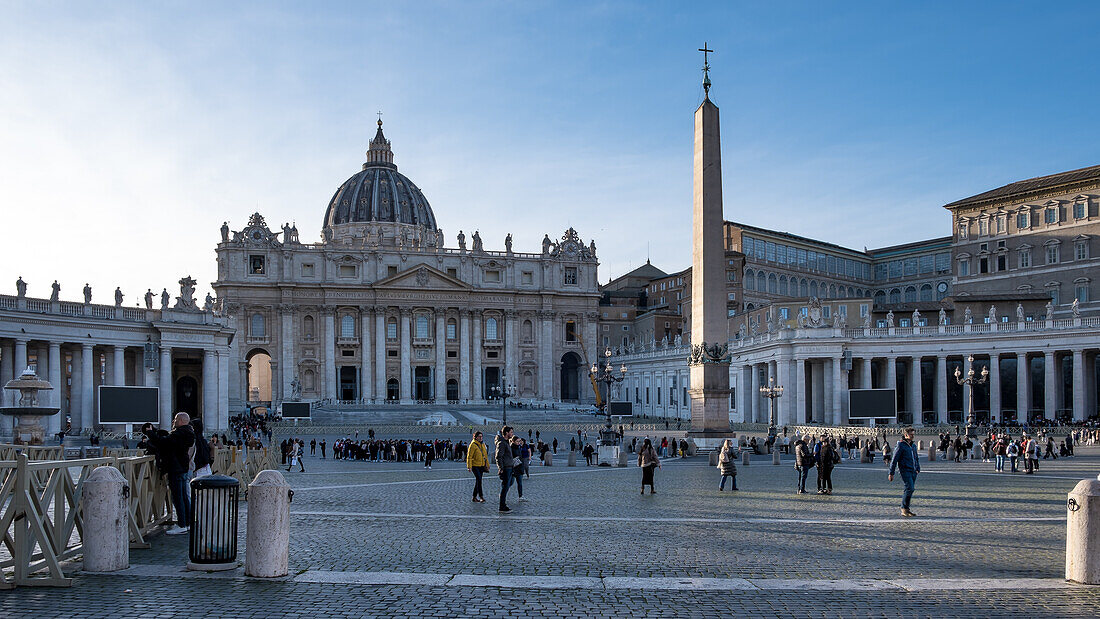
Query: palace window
(1050, 216)
(983, 264)
(346, 270)
(1002, 263)
(452, 329)
(1081, 292)
(422, 327)
(1052, 254)
(964, 267)
(1081, 250)
(570, 278)
(492, 276)
(964, 229)
(982, 227)
(391, 329)
(347, 326)
(1021, 221)
(1024, 258)
(527, 331)
(570, 331)
(491, 329)
(257, 327)
(1079, 210)
(308, 331)
(1000, 224)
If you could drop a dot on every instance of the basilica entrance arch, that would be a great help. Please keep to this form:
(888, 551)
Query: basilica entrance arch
(259, 375)
(393, 389)
(422, 383)
(570, 377)
(452, 390)
(187, 396)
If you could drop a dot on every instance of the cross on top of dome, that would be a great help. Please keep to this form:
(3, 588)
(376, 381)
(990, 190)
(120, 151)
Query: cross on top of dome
(379, 151)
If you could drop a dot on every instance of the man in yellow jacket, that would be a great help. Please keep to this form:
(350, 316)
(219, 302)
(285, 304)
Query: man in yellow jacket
(477, 462)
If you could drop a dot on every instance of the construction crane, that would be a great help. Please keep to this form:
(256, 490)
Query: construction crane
(588, 369)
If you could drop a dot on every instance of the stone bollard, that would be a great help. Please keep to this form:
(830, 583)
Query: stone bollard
(951, 453)
(713, 458)
(744, 458)
(931, 452)
(775, 457)
(1083, 533)
(548, 459)
(977, 453)
(572, 459)
(622, 458)
(692, 448)
(267, 543)
(106, 502)
(864, 455)
(920, 445)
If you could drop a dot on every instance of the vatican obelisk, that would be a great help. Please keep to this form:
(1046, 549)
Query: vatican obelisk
(709, 361)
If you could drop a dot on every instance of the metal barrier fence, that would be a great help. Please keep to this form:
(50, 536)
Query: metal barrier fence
(42, 523)
(242, 464)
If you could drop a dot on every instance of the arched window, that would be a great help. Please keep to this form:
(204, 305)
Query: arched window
(422, 327)
(842, 292)
(773, 286)
(491, 328)
(750, 280)
(880, 298)
(832, 291)
(895, 296)
(803, 288)
(308, 329)
(926, 292)
(347, 326)
(452, 329)
(783, 285)
(761, 283)
(309, 380)
(813, 289)
(528, 331)
(911, 294)
(257, 328)
(391, 329)
(393, 390)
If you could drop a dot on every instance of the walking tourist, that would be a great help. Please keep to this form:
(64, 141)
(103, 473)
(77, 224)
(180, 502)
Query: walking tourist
(726, 466)
(504, 462)
(477, 462)
(429, 456)
(1013, 452)
(649, 462)
(518, 465)
(803, 462)
(907, 464)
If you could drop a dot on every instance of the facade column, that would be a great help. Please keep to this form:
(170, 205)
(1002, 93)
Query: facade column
(441, 356)
(1023, 387)
(380, 353)
(328, 358)
(209, 387)
(118, 361)
(801, 389)
(916, 403)
(54, 424)
(940, 385)
(1050, 390)
(242, 367)
(288, 365)
(223, 391)
(165, 383)
(840, 388)
(511, 364)
(464, 354)
(1078, 385)
(366, 378)
(546, 357)
(865, 373)
(994, 387)
(475, 352)
(405, 380)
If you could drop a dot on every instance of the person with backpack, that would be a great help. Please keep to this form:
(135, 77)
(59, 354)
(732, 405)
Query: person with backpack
(826, 456)
(726, 466)
(907, 462)
(175, 452)
(202, 457)
(803, 462)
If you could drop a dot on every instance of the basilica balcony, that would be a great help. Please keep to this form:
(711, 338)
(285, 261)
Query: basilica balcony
(493, 343)
(423, 341)
(257, 339)
(347, 341)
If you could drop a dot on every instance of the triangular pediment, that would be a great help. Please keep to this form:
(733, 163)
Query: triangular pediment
(422, 276)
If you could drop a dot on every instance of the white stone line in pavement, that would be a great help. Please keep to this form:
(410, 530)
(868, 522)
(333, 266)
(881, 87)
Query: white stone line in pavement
(440, 480)
(981, 473)
(911, 585)
(632, 519)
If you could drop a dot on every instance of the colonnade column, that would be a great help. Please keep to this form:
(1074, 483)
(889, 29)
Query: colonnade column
(366, 380)
(380, 353)
(118, 362)
(915, 393)
(1023, 387)
(7, 370)
(76, 390)
(546, 356)
(941, 389)
(754, 393)
(464, 354)
(790, 398)
(54, 423)
(328, 359)
(440, 357)
(865, 373)
(165, 384)
(405, 380)
(223, 391)
(475, 352)
(840, 386)
(209, 387)
(1078, 385)
(994, 387)
(1050, 392)
(801, 389)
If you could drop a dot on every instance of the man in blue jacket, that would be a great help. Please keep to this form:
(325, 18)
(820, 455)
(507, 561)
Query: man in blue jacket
(907, 463)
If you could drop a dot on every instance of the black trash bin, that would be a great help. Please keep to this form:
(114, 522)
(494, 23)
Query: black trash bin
(213, 536)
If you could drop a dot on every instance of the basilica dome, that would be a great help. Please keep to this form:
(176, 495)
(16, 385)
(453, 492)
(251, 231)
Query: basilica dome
(379, 193)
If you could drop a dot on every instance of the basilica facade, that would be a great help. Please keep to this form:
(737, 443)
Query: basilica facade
(382, 310)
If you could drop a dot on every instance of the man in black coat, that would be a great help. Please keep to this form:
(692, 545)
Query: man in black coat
(175, 453)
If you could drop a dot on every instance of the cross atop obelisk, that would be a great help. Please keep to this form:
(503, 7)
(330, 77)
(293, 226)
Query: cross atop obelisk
(706, 70)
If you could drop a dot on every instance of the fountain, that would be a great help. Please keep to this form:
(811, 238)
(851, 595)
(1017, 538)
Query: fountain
(28, 414)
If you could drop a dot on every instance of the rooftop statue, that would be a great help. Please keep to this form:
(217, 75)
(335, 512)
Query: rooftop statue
(118, 296)
(55, 291)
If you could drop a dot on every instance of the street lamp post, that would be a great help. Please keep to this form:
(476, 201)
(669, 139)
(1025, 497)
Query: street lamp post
(503, 392)
(971, 380)
(606, 375)
(771, 391)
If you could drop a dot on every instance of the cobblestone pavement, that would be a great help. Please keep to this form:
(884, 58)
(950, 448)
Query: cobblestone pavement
(395, 539)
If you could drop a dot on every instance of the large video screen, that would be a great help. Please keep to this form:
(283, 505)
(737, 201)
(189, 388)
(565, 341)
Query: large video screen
(118, 404)
(872, 404)
(295, 410)
(621, 409)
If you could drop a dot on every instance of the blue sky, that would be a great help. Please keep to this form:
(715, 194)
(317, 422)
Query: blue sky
(129, 132)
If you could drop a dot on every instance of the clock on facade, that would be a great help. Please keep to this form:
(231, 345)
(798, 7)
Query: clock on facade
(942, 287)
